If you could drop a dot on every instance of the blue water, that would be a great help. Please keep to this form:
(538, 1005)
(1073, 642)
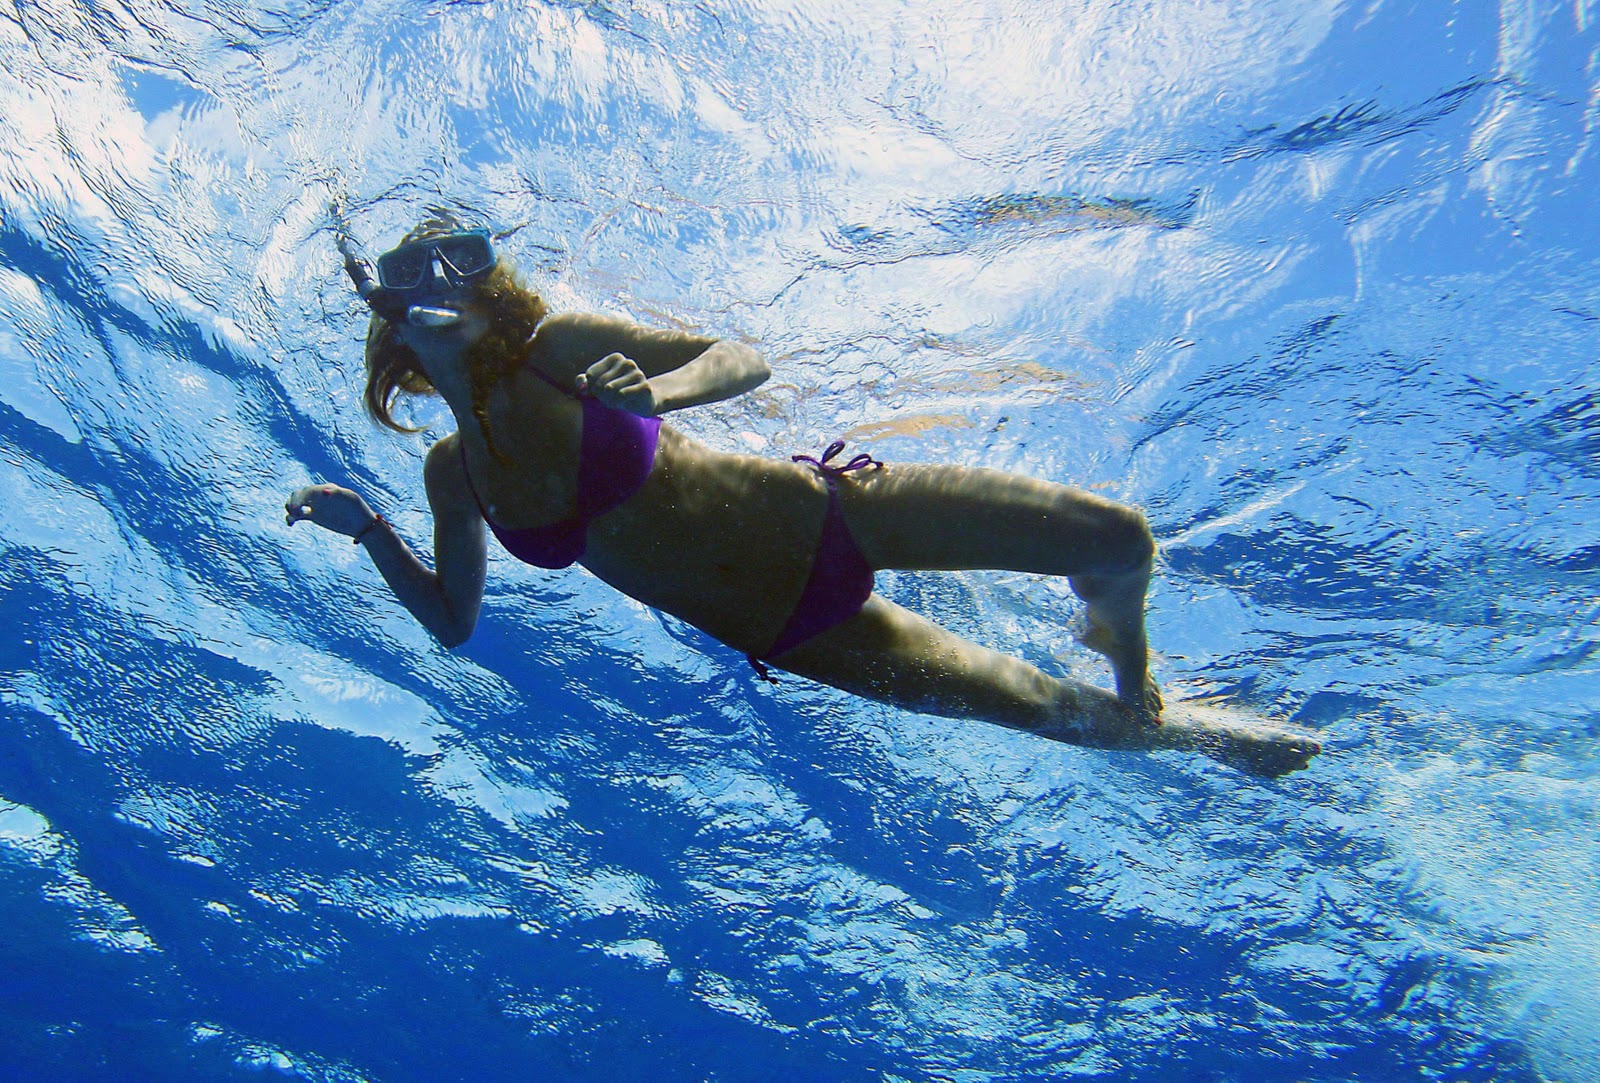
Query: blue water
(1314, 283)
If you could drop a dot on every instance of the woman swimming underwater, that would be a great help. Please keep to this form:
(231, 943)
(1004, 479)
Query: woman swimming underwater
(560, 450)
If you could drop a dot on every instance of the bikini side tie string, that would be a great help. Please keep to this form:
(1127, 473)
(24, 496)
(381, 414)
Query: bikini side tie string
(834, 473)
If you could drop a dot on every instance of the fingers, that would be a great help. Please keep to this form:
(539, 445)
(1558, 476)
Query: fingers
(623, 384)
(296, 508)
(300, 503)
(612, 374)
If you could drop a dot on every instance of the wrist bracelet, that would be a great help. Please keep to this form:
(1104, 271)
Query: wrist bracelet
(364, 531)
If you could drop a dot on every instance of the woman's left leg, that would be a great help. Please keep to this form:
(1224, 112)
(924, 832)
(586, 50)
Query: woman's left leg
(894, 656)
(917, 517)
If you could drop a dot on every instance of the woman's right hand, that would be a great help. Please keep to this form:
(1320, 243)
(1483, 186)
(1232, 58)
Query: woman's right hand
(330, 507)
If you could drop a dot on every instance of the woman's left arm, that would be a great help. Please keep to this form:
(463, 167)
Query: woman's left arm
(647, 371)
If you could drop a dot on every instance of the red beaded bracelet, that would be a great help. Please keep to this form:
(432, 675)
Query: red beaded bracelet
(376, 519)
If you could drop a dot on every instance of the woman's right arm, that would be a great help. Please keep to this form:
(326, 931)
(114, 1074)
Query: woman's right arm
(678, 369)
(444, 601)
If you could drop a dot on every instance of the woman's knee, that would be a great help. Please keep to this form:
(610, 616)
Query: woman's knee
(1119, 537)
(1132, 539)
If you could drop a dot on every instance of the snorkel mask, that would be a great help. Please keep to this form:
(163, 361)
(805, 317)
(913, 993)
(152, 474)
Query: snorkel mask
(416, 277)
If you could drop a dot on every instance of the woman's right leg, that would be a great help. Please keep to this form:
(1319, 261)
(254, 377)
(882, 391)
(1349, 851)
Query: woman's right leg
(917, 517)
(953, 518)
(890, 654)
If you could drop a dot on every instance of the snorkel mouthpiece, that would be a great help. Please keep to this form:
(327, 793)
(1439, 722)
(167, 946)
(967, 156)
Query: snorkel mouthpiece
(428, 316)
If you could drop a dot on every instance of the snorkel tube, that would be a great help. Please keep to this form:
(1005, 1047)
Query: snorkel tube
(390, 304)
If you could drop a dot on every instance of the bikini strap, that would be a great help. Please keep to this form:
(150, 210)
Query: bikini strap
(763, 673)
(466, 472)
(551, 380)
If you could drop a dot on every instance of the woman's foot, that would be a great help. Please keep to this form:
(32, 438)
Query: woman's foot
(1243, 741)
(1095, 718)
(1130, 666)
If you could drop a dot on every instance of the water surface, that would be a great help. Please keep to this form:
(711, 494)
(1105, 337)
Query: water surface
(1312, 283)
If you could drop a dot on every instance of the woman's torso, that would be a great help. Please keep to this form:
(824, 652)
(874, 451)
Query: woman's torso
(722, 541)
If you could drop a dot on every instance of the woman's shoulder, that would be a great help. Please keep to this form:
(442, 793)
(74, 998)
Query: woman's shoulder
(444, 473)
(445, 454)
(563, 326)
(564, 339)
(559, 344)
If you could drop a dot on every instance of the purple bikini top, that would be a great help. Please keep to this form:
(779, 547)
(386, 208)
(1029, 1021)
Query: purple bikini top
(617, 453)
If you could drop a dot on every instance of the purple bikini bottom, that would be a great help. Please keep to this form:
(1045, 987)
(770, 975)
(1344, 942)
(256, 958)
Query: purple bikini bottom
(841, 579)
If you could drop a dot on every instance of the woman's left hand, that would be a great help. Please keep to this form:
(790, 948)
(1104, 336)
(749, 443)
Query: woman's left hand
(331, 507)
(619, 382)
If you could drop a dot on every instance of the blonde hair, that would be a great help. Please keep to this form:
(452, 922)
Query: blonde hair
(515, 312)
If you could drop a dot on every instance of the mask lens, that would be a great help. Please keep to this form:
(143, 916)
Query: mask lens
(464, 256)
(468, 254)
(404, 268)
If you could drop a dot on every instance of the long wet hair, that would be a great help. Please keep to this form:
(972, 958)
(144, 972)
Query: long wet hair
(515, 312)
